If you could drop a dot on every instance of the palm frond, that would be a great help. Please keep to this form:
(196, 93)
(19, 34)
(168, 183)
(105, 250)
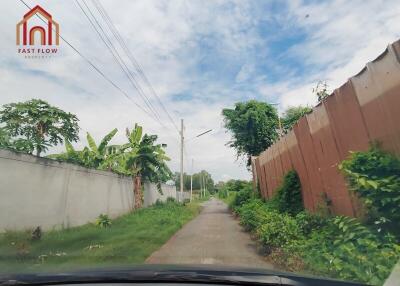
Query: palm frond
(106, 140)
(91, 142)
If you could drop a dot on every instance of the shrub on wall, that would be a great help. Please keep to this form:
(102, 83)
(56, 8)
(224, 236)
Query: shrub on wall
(243, 196)
(375, 176)
(339, 247)
(288, 196)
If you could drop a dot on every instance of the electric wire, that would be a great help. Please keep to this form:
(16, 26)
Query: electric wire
(117, 58)
(102, 74)
(134, 62)
(135, 84)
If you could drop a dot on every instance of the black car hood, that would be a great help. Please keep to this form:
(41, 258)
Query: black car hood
(171, 274)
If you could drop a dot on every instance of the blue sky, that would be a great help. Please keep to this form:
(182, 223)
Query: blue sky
(200, 57)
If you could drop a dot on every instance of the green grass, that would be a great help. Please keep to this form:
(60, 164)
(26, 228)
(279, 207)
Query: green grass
(229, 199)
(130, 240)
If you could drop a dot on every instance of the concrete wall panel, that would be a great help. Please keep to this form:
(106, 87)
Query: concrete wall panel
(42, 192)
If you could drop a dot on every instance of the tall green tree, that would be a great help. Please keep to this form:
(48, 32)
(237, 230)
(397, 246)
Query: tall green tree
(36, 125)
(292, 115)
(253, 125)
(5, 140)
(143, 160)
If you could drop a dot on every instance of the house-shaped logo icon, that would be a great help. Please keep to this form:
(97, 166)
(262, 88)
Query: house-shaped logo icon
(40, 34)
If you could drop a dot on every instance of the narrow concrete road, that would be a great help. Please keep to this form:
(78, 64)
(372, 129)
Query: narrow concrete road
(213, 237)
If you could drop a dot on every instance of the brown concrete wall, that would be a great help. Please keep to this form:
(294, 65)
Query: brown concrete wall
(363, 110)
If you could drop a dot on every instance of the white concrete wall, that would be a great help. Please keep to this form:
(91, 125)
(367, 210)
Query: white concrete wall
(42, 192)
(151, 194)
(186, 196)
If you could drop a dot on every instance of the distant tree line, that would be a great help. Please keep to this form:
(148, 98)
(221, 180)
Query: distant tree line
(200, 180)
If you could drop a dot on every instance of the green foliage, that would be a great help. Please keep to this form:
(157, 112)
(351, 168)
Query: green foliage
(277, 230)
(375, 176)
(237, 185)
(141, 156)
(223, 193)
(308, 222)
(5, 140)
(339, 247)
(288, 196)
(171, 200)
(99, 157)
(253, 125)
(15, 144)
(321, 91)
(349, 250)
(36, 125)
(199, 180)
(251, 213)
(131, 239)
(243, 196)
(232, 188)
(103, 221)
(292, 115)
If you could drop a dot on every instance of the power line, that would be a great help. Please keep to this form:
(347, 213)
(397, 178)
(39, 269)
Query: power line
(117, 58)
(134, 62)
(135, 83)
(122, 43)
(132, 79)
(94, 66)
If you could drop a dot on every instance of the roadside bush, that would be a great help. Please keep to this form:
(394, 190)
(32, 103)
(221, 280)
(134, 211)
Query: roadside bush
(223, 193)
(308, 222)
(243, 196)
(159, 203)
(375, 176)
(278, 230)
(236, 185)
(171, 200)
(346, 249)
(288, 196)
(251, 214)
(339, 247)
(103, 221)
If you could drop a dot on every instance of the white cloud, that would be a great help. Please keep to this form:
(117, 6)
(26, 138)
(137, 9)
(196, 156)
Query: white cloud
(182, 46)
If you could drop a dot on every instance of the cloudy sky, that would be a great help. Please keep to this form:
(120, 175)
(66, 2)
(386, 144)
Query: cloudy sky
(199, 56)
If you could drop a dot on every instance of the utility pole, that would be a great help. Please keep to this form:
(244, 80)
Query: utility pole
(181, 185)
(204, 186)
(201, 185)
(191, 182)
(191, 177)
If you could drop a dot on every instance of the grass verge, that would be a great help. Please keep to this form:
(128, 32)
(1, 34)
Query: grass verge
(129, 240)
(228, 199)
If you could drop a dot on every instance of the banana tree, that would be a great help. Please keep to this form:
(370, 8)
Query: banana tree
(98, 155)
(92, 156)
(143, 160)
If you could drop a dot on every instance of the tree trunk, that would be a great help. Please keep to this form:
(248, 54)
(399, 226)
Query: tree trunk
(40, 129)
(137, 192)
